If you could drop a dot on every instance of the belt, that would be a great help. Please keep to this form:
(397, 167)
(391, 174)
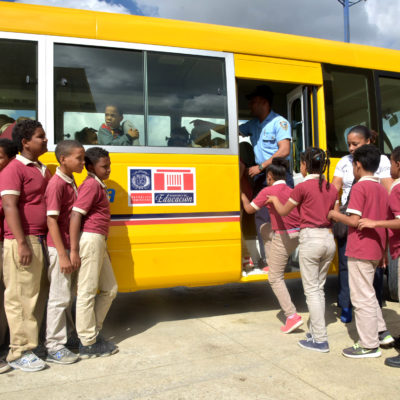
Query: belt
(291, 230)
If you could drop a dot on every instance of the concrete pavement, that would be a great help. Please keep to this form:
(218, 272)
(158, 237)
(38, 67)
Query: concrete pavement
(214, 343)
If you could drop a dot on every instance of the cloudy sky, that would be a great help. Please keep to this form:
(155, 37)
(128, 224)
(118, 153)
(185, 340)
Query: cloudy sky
(373, 22)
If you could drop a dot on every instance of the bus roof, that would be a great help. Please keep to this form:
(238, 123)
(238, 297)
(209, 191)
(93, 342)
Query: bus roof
(45, 20)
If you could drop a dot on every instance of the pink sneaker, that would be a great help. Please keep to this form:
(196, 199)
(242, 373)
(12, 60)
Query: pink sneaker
(292, 323)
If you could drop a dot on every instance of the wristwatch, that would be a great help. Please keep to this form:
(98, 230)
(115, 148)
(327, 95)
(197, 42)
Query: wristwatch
(260, 167)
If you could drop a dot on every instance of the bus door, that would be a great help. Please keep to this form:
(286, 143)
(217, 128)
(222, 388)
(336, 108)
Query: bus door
(299, 110)
(298, 95)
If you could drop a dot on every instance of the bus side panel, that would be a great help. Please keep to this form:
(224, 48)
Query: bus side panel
(174, 245)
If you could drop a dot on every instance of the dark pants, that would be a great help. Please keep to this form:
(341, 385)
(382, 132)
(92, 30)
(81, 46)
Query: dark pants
(262, 215)
(343, 281)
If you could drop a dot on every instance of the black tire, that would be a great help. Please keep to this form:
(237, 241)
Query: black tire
(393, 282)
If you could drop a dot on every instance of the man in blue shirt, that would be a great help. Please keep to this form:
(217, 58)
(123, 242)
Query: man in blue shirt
(270, 135)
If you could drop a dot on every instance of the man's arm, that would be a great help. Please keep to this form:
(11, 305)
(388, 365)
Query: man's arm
(74, 233)
(283, 151)
(106, 138)
(54, 230)
(11, 212)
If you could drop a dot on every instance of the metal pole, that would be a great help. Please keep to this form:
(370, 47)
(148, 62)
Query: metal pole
(346, 14)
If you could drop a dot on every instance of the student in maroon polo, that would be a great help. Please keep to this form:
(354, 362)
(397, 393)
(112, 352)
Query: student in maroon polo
(392, 224)
(8, 151)
(285, 239)
(97, 286)
(22, 187)
(365, 249)
(313, 197)
(60, 195)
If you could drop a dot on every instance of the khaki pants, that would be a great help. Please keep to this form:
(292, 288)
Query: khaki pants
(267, 234)
(369, 318)
(97, 287)
(59, 319)
(316, 251)
(282, 246)
(3, 319)
(22, 304)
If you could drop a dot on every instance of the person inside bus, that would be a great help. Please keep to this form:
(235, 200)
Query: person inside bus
(343, 178)
(5, 122)
(111, 132)
(87, 136)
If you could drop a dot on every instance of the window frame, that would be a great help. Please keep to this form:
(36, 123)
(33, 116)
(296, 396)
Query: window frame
(371, 93)
(45, 88)
(381, 74)
(41, 76)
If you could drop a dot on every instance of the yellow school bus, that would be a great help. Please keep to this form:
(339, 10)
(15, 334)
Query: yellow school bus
(175, 200)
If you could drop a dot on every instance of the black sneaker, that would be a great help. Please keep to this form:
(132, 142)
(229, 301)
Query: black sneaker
(112, 346)
(98, 349)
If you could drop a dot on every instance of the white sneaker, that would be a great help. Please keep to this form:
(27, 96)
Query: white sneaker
(28, 362)
(256, 271)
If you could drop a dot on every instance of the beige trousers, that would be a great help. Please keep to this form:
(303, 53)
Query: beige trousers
(59, 318)
(282, 246)
(3, 318)
(22, 302)
(369, 318)
(97, 287)
(316, 251)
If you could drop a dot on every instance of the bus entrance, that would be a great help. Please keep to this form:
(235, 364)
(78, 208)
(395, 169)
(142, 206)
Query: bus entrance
(294, 102)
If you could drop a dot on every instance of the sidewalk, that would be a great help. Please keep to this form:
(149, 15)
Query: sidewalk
(214, 343)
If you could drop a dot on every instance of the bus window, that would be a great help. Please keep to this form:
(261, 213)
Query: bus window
(160, 125)
(390, 112)
(18, 81)
(185, 85)
(86, 80)
(214, 139)
(348, 103)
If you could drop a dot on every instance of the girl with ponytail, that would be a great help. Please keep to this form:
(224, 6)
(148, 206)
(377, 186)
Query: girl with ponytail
(314, 198)
(285, 237)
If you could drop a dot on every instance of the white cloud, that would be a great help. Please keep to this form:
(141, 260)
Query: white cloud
(94, 5)
(371, 22)
(385, 17)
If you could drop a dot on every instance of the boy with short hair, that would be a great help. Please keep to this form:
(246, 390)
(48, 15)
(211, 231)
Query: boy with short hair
(112, 133)
(97, 286)
(61, 194)
(365, 249)
(22, 187)
(8, 151)
(393, 224)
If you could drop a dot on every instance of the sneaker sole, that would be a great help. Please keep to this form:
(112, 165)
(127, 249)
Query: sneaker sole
(4, 369)
(310, 348)
(295, 326)
(386, 342)
(391, 365)
(367, 355)
(28, 369)
(51, 360)
(87, 356)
